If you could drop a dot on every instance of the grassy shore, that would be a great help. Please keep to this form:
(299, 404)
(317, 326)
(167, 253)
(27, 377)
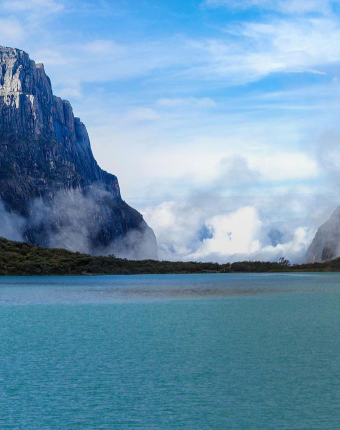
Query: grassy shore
(17, 258)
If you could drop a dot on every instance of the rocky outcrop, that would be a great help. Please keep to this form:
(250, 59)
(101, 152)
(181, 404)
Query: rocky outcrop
(48, 174)
(326, 243)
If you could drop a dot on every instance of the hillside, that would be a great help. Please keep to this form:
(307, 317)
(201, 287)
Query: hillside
(17, 258)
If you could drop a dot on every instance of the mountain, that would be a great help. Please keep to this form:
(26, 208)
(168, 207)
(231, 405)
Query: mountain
(53, 193)
(326, 243)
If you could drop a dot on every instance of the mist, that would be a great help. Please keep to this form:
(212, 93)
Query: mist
(11, 224)
(236, 216)
(191, 233)
(78, 222)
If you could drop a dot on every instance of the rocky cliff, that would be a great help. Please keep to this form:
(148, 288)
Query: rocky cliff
(326, 243)
(49, 179)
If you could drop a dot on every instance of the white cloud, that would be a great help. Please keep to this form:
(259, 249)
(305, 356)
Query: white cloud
(40, 6)
(328, 155)
(51, 57)
(234, 233)
(216, 166)
(185, 150)
(235, 170)
(253, 50)
(204, 102)
(282, 166)
(103, 60)
(73, 92)
(187, 233)
(142, 114)
(294, 250)
(242, 53)
(11, 31)
(284, 6)
(102, 46)
(176, 226)
(11, 224)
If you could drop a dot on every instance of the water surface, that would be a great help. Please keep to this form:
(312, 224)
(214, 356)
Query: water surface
(219, 351)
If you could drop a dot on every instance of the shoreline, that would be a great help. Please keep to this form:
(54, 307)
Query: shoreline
(22, 259)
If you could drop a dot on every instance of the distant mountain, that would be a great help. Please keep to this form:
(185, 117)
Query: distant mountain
(51, 187)
(326, 243)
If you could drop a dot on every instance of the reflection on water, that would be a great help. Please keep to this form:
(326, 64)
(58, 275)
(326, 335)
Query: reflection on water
(111, 289)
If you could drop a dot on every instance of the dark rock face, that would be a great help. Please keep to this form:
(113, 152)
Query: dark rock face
(326, 243)
(48, 174)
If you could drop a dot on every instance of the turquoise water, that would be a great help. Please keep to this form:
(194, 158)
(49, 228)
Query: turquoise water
(200, 352)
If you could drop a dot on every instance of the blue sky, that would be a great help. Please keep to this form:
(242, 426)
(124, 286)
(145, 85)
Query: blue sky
(218, 116)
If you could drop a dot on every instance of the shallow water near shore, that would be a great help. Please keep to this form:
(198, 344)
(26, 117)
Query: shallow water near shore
(212, 351)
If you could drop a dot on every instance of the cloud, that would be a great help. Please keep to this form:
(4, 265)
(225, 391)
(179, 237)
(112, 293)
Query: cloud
(281, 166)
(184, 151)
(176, 226)
(186, 232)
(328, 155)
(102, 46)
(51, 57)
(232, 233)
(254, 50)
(215, 167)
(11, 225)
(103, 60)
(70, 92)
(40, 6)
(78, 221)
(142, 114)
(284, 6)
(241, 53)
(205, 102)
(11, 31)
(235, 170)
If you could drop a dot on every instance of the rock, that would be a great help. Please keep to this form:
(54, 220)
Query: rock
(48, 174)
(326, 243)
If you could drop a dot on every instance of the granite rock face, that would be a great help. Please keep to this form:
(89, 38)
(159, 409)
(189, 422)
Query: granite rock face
(326, 243)
(48, 175)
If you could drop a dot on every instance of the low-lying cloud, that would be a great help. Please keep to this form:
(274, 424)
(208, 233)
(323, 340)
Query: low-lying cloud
(79, 221)
(186, 232)
(11, 224)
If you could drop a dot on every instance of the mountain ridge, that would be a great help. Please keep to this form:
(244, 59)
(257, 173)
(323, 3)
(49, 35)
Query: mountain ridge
(49, 176)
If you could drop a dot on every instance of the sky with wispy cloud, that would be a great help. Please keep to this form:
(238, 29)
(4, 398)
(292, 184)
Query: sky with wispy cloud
(219, 117)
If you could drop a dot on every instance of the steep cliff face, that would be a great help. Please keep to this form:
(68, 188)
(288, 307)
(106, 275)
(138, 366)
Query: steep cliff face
(326, 243)
(48, 175)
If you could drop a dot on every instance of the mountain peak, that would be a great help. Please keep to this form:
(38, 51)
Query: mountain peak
(46, 158)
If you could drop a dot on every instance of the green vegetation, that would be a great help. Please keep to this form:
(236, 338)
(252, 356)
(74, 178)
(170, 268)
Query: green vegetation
(17, 258)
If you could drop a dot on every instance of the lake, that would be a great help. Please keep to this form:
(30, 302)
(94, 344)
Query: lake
(213, 351)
